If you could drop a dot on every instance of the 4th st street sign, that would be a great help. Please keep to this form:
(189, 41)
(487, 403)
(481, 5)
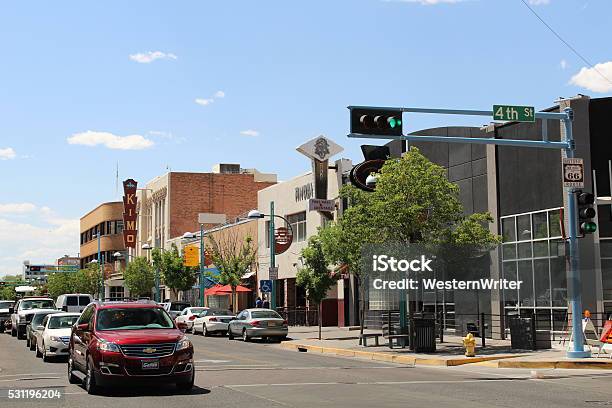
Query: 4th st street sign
(514, 113)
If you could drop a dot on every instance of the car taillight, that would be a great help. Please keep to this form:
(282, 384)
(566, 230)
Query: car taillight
(255, 323)
(192, 317)
(212, 319)
(285, 322)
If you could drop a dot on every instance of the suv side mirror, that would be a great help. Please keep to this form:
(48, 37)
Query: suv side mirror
(83, 326)
(40, 327)
(11, 310)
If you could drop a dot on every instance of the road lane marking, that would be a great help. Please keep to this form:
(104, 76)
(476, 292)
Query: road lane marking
(416, 382)
(30, 379)
(212, 361)
(27, 374)
(255, 367)
(261, 397)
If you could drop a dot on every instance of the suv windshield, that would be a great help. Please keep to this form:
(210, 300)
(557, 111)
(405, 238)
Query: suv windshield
(265, 314)
(62, 322)
(178, 307)
(37, 304)
(133, 319)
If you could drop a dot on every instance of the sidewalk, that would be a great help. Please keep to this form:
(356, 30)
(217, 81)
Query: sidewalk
(497, 353)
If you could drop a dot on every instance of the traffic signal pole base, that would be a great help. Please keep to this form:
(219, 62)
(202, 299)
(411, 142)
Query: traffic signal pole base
(579, 354)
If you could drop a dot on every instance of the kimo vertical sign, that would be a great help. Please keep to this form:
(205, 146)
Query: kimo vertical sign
(129, 213)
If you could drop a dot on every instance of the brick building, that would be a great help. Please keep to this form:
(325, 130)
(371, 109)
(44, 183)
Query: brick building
(168, 206)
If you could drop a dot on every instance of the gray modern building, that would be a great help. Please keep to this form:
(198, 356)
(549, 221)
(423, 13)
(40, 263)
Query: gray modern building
(522, 189)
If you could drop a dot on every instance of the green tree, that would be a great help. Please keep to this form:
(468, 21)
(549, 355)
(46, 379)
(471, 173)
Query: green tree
(315, 276)
(60, 283)
(7, 293)
(175, 275)
(139, 277)
(87, 280)
(413, 203)
(233, 256)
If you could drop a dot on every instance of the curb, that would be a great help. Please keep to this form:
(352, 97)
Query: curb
(394, 358)
(584, 365)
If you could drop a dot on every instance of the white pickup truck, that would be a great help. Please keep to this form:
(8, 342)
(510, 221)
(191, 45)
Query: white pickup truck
(23, 312)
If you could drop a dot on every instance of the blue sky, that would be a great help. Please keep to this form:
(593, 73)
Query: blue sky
(184, 85)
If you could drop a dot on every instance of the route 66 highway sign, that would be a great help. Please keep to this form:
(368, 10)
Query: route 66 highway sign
(573, 172)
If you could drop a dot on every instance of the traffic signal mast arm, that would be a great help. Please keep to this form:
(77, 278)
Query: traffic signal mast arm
(357, 131)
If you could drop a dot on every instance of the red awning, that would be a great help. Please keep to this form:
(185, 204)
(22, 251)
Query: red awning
(224, 290)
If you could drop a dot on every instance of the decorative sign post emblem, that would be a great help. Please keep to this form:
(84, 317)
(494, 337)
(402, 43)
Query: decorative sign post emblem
(129, 213)
(319, 150)
(573, 172)
(282, 240)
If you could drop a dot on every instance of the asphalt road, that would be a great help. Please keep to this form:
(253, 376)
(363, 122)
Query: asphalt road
(232, 373)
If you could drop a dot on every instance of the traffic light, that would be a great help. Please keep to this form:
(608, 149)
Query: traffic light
(586, 212)
(368, 121)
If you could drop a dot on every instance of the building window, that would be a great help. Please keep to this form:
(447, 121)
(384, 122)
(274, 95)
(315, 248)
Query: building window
(298, 223)
(116, 293)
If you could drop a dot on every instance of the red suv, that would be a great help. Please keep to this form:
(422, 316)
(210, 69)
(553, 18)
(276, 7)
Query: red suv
(116, 342)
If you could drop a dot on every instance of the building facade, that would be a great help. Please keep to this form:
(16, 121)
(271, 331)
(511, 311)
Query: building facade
(522, 189)
(168, 206)
(290, 200)
(107, 221)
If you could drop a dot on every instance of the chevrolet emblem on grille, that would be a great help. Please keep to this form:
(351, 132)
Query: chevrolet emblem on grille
(149, 350)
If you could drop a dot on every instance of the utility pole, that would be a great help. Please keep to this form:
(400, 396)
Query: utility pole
(272, 256)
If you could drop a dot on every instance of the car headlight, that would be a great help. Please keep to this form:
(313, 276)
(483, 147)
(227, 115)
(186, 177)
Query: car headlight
(108, 346)
(55, 338)
(182, 344)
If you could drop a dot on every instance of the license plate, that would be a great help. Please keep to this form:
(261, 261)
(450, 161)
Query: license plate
(150, 365)
(273, 324)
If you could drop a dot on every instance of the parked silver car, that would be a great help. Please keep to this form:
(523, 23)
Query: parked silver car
(263, 323)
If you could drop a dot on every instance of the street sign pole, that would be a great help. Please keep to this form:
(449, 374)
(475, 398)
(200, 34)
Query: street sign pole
(574, 285)
(272, 256)
(202, 261)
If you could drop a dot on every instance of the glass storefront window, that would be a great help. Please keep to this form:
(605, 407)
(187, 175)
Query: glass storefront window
(554, 224)
(508, 229)
(540, 225)
(540, 249)
(525, 274)
(524, 250)
(523, 227)
(541, 279)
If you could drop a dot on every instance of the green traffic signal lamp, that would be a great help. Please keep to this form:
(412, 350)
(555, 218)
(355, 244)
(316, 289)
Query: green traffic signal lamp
(376, 121)
(588, 227)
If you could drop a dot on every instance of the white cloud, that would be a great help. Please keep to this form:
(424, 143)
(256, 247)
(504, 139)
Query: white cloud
(593, 78)
(563, 64)
(204, 102)
(42, 239)
(249, 132)
(425, 2)
(219, 94)
(150, 56)
(7, 154)
(16, 208)
(93, 138)
(539, 2)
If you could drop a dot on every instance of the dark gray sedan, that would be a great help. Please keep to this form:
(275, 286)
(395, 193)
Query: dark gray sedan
(262, 323)
(33, 326)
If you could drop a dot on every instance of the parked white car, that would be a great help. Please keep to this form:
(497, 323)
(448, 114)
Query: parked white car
(188, 315)
(53, 335)
(212, 321)
(73, 302)
(23, 312)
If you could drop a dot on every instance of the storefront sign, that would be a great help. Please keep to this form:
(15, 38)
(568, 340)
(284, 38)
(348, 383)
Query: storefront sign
(317, 204)
(129, 213)
(304, 192)
(282, 240)
(191, 255)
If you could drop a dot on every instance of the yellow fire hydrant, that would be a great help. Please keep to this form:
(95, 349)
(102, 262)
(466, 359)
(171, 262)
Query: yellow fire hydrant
(470, 345)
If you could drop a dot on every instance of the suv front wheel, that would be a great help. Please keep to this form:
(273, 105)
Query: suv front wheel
(187, 385)
(90, 378)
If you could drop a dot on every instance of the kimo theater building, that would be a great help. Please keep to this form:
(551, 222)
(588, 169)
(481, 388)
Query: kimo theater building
(522, 189)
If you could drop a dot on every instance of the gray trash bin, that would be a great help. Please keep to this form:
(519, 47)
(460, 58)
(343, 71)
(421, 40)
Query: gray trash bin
(423, 335)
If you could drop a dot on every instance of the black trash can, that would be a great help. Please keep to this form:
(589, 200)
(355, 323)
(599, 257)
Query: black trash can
(423, 335)
(522, 333)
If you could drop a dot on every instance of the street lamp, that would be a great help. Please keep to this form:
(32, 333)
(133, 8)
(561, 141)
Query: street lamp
(256, 214)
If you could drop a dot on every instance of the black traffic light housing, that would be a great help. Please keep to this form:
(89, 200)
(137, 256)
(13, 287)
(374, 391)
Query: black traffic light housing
(375, 157)
(372, 121)
(586, 212)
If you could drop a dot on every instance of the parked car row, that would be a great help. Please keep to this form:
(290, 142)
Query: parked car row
(248, 324)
